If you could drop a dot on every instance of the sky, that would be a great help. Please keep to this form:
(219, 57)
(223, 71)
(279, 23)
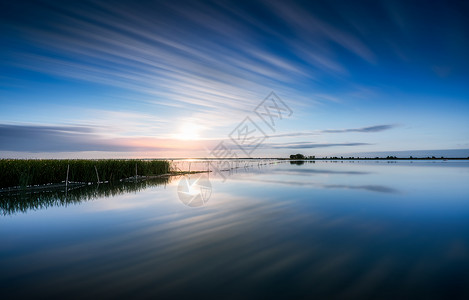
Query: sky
(169, 79)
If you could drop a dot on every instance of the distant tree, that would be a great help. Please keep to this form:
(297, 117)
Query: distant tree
(297, 156)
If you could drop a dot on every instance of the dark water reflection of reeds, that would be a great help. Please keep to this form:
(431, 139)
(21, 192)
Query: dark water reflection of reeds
(24, 200)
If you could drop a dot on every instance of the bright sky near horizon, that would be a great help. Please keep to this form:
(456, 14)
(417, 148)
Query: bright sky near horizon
(175, 78)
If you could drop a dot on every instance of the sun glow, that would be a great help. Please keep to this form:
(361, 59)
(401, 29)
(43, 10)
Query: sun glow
(188, 131)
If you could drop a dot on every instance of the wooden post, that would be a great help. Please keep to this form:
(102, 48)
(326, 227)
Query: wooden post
(96, 173)
(66, 180)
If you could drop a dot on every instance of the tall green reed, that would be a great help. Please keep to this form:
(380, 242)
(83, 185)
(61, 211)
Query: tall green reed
(26, 172)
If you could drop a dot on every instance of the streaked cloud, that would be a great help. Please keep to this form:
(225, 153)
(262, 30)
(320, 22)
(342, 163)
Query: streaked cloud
(68, 138)
(311, 145)
(143, 70)
(37, 138)
(376, 128)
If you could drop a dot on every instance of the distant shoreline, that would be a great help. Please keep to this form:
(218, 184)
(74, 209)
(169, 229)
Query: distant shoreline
(382, 158)
(319, 158)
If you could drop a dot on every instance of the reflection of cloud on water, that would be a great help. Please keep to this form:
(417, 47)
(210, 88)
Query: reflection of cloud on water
(318, 171)
(233, 243)
(155, 257)
(248, 241)
(371, 187)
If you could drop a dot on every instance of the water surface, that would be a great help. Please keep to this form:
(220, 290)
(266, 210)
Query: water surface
(332, 230)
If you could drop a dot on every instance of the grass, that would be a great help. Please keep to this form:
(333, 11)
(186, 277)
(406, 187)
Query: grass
(27, 172)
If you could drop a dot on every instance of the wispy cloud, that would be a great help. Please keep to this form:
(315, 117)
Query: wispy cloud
(102, 137)
(307, 23)
(36, 138)
(376, 128)
(292, 134)
(212, 62)
(209, 58)
(147, 54)
(311, 145)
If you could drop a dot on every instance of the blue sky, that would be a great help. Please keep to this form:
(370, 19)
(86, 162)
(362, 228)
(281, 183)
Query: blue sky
(174, 78)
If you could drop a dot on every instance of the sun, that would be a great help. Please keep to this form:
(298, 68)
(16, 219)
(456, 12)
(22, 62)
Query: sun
(188, 131)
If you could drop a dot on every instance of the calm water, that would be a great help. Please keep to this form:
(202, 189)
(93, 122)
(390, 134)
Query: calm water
(331, 230)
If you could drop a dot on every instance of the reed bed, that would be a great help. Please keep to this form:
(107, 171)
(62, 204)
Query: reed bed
(29, 172)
